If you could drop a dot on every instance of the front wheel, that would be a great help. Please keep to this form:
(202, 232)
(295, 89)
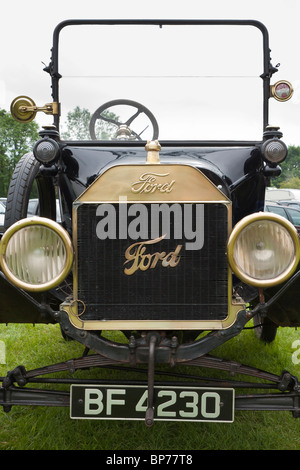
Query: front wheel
(26, 184)
(265, 328)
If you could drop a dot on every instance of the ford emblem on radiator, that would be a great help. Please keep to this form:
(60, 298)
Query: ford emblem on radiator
(143, 261)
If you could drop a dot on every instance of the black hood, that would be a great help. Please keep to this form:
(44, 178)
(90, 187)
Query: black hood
(237, 171)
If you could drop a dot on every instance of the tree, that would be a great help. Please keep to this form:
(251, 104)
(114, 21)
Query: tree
(16, 139)
(290, 169)
(293, 182)
(77, 125)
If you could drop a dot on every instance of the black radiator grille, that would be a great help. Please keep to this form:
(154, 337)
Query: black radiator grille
(195, 289)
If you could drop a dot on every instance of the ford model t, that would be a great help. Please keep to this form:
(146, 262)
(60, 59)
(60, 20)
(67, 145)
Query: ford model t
(151, 176)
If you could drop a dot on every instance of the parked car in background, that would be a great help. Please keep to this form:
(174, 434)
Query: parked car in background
(289, 213)
(33, 207)
(2, 215)
(3, 200)
(290, 202)
(277, 194)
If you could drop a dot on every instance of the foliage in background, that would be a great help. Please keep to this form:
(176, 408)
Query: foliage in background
(290, 176)
(293, 182)
(77, 125)
(16, 139)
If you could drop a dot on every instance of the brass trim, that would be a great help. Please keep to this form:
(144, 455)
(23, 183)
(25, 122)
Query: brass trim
(74, 302)
(245, 223)
(48, 108)
(153, 147)
(117, 181)
(273, 90)
(17, 114)
(31, 221)
(192, 187)
(153, 324)
(164, 259)
(24, 109)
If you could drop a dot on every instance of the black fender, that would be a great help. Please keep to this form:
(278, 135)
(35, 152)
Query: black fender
(17, 306)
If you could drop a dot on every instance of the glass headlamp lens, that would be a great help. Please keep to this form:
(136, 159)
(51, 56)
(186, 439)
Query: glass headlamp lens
(36, 254)
(46, 150)
(263, 250)
(274, 151)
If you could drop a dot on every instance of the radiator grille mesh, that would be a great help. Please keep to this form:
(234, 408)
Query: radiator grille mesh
(195, 289)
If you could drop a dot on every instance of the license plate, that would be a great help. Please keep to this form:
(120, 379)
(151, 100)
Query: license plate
(173, 403)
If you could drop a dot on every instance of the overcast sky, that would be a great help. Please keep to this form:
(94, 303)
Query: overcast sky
(26, 29)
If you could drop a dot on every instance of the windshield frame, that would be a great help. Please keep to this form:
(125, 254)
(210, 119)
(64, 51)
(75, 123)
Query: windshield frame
(268, 69)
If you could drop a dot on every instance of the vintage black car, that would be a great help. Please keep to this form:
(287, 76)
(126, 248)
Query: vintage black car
(159, 152)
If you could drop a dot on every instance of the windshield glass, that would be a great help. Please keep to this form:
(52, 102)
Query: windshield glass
(199, 82)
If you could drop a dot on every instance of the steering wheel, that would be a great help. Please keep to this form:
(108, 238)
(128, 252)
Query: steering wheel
(124, 132)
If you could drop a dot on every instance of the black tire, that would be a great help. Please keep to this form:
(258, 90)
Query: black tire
(265, 328)
(21, 184)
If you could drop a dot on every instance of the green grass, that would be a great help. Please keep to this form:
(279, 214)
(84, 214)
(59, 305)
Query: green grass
(50, 428)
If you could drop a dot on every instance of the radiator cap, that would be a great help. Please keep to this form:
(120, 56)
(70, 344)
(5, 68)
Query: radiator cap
(153, 147)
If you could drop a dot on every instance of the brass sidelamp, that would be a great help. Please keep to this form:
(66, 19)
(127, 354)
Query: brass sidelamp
(24, 109)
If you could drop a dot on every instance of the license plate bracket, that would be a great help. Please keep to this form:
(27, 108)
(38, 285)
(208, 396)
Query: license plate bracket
(171, 403)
